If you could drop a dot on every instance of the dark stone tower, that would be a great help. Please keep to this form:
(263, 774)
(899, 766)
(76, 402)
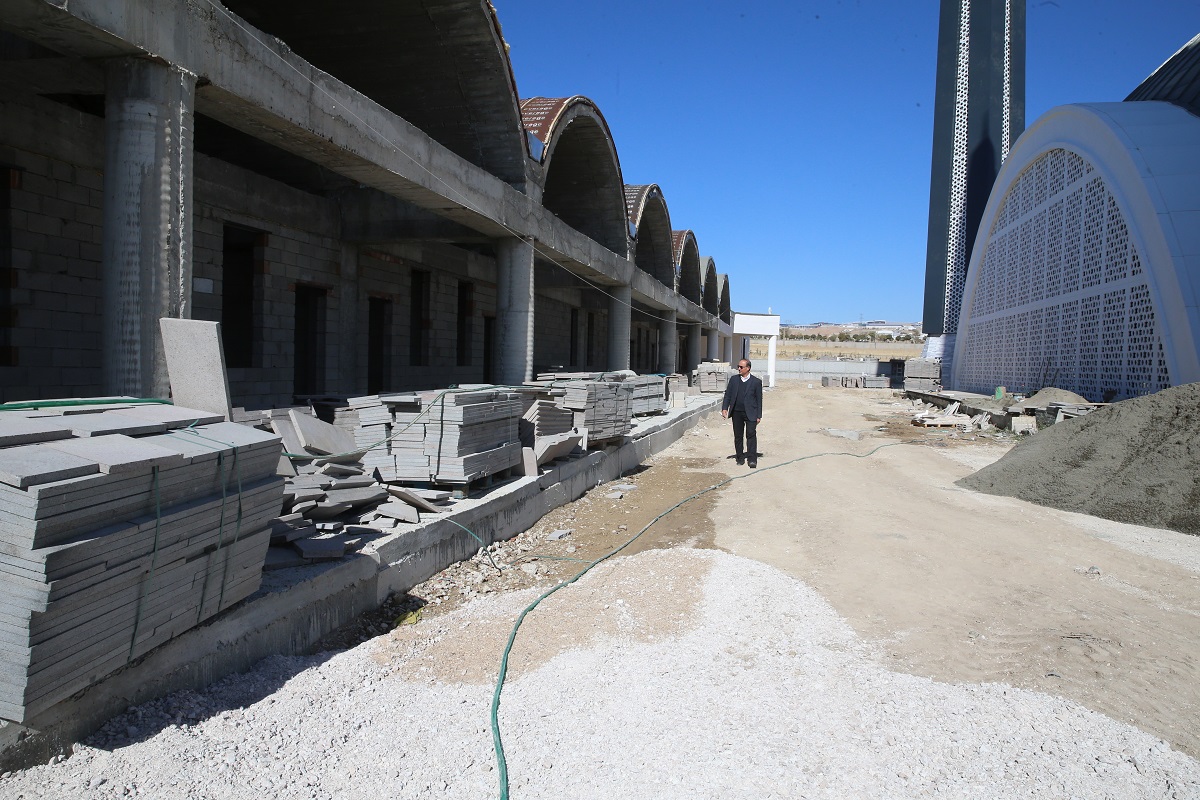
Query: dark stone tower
(979, 111)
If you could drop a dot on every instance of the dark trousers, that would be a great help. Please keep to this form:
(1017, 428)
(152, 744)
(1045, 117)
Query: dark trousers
(750, 427)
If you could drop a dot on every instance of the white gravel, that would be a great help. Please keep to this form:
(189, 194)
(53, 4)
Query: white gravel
(765, 693)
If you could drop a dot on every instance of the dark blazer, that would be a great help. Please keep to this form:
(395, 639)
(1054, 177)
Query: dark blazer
(751, 392)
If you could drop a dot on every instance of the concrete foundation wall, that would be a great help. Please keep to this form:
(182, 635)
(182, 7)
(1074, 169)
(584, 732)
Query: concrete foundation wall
(812, 369)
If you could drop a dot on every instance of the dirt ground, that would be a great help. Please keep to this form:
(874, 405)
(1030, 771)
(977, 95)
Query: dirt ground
(947, 583)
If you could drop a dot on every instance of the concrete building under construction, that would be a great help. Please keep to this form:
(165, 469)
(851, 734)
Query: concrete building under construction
(355, 223)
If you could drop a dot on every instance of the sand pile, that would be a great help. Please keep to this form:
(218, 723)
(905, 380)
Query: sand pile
(1044, 397)
(1136, 461)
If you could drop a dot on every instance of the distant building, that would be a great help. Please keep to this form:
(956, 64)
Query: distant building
(979, 111)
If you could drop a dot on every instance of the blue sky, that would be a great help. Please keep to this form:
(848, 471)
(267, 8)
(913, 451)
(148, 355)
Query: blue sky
(794, 137)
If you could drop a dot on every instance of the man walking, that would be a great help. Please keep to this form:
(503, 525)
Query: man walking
(743, 402)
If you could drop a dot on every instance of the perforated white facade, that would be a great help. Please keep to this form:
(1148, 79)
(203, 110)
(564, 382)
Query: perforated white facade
(1080, 278)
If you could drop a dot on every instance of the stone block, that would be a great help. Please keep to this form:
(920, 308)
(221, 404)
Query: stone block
(33, 464)
(320, 437)
(196, 365)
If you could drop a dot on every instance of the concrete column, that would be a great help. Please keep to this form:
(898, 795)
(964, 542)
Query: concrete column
(714, 344)
(351, 320)
(693, 346)
(514, 311)
(667, 342)
(729, 349)
(620, 311)
(147, 251)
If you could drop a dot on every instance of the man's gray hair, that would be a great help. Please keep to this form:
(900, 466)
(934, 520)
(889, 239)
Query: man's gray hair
(748, 364)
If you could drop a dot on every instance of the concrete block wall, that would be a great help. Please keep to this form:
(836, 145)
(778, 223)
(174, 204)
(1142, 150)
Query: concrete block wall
(51, 296)
(552, 333)
(304, 253)
(387, 273)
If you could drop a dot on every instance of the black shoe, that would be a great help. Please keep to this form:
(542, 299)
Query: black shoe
(753, 464)
(741, 461)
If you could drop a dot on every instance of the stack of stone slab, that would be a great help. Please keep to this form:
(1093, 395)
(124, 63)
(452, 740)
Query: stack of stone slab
(712, 376)
(120, 529)
(544, 417)
(568, 376)
(443, 437)
(649, 394)
(923, 374)
(603, 407)
(677, 389)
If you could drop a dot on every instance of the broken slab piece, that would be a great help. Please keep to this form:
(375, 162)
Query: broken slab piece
(358, 496)
(320, 437)
(413, 499)
(196, 365)
(320, 548)
(327, 510)
(401, 511)
(339, 470)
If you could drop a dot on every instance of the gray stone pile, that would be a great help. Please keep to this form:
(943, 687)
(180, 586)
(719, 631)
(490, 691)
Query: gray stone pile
(121, 526)
(712, 376)
(923, 374)
(451, 436)
(336, 509)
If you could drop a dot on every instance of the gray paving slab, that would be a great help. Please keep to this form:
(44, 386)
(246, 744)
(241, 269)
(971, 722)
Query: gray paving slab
(118, 453)
(356, 482)
(414, 499)
(401, 511)
(326, 510)
(112, 422)
(175, 416)
(357, 496)
(339, 470)
(286, 431)
(320, 437)
(32, 464)
(196, 365)
(26, 430)
(320, 548)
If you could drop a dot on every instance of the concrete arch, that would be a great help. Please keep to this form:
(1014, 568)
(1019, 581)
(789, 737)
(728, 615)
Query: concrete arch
(687, 265)
(711, 292)
(650, 223)
(441, 65)
(1084, 270)
(723, 308)
(583, 184)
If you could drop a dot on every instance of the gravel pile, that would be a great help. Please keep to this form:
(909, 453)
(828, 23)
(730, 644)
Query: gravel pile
(1137, 461)
(681, 673)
